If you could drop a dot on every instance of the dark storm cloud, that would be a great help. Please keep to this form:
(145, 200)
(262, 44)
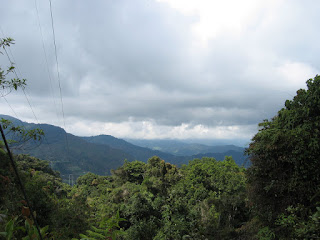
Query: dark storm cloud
(137, 61)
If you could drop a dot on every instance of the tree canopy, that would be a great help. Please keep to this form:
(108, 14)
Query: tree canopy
(285, 157)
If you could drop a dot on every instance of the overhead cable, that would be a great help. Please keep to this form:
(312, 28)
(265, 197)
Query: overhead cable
(57, 64)
(46, 59)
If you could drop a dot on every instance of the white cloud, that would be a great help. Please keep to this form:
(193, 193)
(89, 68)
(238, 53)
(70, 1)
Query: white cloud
(151, 130)
(294, 74)
(214, 18)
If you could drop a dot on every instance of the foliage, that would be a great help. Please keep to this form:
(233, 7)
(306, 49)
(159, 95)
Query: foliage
(107, 229)
(295, 224)
(204, 199)
(265, 234)
(19, 134)
(9, 230)
(6, 86)
(31, 230)
(13, 84)
(130, 172)
(48, 196)
(26, 232)
(285, 162)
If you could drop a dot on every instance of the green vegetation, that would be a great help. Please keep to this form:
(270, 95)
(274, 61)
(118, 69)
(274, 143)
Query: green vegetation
(156, 200)
(49, 197)
(6, 86)
(283, 181)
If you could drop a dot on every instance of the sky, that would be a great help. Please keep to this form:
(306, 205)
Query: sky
(159, 69)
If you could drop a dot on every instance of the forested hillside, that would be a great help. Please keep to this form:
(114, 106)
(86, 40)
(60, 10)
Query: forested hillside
(139, 153)
(70, 154)
(67, 153)
(167, 153)
(155, 200)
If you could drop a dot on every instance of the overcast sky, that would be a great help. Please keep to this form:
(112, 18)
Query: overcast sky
(160, 68)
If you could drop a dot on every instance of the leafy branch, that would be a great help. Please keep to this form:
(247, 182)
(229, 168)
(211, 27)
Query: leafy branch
(13, 84)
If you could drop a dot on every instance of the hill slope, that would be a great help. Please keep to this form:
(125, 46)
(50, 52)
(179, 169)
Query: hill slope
(180, 148)
(144, 153)
(139, 153)
(71, 154)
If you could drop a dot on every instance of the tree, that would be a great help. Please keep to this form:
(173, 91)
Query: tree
(15, 83)
(130, 171)
(6, 86)
(285, 157)
(18, 133)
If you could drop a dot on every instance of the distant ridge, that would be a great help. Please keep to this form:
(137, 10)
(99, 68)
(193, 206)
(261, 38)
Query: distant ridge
(99, 154)
(81, 156)
(139, 153)
(180, 148)
(168, 147)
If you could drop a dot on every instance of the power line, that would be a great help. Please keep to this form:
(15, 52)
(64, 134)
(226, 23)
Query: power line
(12, 63)
(46, 58)
(57, 64)
(15, 72)
(25, 94)
(23, 89)
(4, 97)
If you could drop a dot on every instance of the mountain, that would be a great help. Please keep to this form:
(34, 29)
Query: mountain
(139, 153)
(173, 151)
(70, 154)
(180, 148)
(238, 157)
(75, 155)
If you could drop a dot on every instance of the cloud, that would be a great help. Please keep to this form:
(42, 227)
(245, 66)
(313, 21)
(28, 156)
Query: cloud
(152, 130)
(162, 69)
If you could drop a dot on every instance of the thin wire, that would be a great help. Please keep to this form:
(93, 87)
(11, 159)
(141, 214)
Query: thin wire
(20, 183)
(57, 64)
(23, 89)
(25, 94)
(12, 63)
(56, 56)
(4, 97)
(14, 71)
(46, 59)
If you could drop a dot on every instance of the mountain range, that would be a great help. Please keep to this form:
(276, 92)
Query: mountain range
(76, 155)
(181, 148)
